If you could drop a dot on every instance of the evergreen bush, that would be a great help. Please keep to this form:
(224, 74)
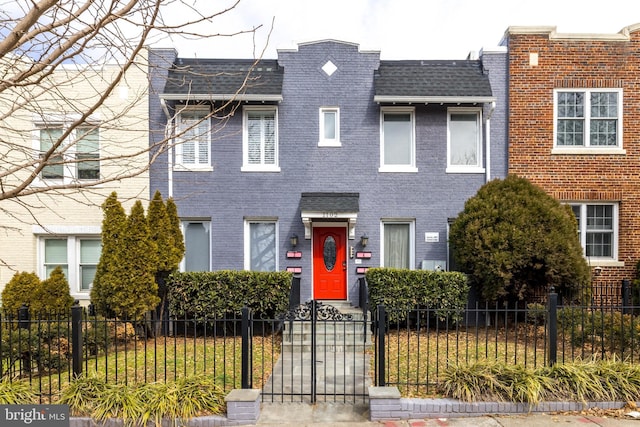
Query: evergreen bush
(401, 290)
(20, 290)
(203, 295)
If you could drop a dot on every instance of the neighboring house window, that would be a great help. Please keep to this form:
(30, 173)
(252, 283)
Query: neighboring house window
(261, 253)
(397, 244)
(597, 228)
(588, 118)
(329, 127)
(260, 139)
(197, 241)
(77, 256)
(193, 138)
(76, 158)
(397, 151)
(464, 152)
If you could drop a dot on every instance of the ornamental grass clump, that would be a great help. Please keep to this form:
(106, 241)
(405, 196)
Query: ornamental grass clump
(145, 403)
(16, 392)
(595, 380)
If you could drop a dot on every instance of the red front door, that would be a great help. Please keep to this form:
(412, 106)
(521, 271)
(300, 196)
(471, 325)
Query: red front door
(329, 263)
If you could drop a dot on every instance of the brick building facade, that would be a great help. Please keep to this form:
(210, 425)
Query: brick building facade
(574, 121)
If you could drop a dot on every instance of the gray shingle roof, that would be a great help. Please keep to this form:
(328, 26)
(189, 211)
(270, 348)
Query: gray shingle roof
(432, 80)
(222, 78)
(330, 202)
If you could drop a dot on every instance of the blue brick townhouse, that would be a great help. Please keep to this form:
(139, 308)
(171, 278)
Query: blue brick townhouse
(327, 160)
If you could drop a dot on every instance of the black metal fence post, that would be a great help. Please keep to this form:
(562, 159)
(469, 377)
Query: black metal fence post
(76, 339)
(294, 295)
(381, 316)
(314, 323)
(246, 377)
(626, 296)
(553, 327)
(23, 317)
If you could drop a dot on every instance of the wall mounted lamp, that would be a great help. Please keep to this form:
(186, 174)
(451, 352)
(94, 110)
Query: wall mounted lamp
(364, 240)
(293, 240)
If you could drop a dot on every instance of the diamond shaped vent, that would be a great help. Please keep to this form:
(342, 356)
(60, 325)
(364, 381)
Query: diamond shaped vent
(329, 68)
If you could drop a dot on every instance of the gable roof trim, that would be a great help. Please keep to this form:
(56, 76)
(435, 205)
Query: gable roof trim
(434, 99)
(220, 97)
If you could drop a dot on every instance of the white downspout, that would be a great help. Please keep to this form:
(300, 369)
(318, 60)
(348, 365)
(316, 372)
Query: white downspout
(488, 141)
(168, 131)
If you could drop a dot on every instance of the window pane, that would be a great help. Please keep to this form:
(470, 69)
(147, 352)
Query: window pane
(570, 132)
(397, 245)
(89, 257)
(48, 137)
(570, 104)
(194, 127)
(55, 254)
(196, 238)
(599, 217)
(463, 133)
(397, 139)
(599, 244)
(87, 153)
(261, 137)
(262, 241)
(329, 125)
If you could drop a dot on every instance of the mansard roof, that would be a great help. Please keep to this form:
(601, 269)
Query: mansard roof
(449, 81)
(224, 79)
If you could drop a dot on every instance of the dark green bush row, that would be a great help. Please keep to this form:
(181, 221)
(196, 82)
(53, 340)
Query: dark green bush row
(203, 295)
(402, 290)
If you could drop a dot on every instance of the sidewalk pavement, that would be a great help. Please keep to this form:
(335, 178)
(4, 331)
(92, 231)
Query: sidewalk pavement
(349, 415)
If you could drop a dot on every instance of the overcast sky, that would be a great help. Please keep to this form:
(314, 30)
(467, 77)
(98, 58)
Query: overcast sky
(400, 29)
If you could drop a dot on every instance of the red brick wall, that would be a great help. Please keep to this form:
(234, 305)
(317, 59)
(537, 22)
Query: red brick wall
(579, 63)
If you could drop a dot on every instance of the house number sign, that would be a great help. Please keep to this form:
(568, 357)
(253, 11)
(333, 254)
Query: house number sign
(329, 214)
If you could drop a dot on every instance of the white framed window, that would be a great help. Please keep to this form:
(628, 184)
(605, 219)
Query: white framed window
(78, 256)
(398, 243)
(329, 127)
(76, 158)
(598, 229)
(588, 120)
(193, 142)
(260, 139)
(261, 245)
(397, 140)
(464, 140)
(197, 242)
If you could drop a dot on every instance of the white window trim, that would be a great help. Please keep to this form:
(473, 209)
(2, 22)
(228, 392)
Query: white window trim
(246, 167)
(602, 261)
(324, 142)
(178, 141)
(412, 238)
(70, 174)
(587, 148)
(247, 239)
(73, 260)
(398, 168)
(477, 168)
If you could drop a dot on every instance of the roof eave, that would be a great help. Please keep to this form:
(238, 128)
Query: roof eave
(221, 97)
(434, 99)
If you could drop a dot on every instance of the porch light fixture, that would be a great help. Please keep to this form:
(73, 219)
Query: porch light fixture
(364, 240)
(293, 240)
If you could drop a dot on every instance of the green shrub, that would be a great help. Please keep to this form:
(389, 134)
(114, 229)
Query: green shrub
(210, 294)
(403, 290)
(52, 295)
(20, 290)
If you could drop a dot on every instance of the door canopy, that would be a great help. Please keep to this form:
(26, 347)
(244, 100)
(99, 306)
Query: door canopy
(329, 207)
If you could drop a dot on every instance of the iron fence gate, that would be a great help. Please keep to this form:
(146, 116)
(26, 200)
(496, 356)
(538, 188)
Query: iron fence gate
(324, 355)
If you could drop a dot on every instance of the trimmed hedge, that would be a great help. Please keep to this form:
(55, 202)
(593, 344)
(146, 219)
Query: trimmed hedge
(201, 295)
(402, 290)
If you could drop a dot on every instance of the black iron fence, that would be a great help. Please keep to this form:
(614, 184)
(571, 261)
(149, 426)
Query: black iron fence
(414, 348)
(410, 350)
